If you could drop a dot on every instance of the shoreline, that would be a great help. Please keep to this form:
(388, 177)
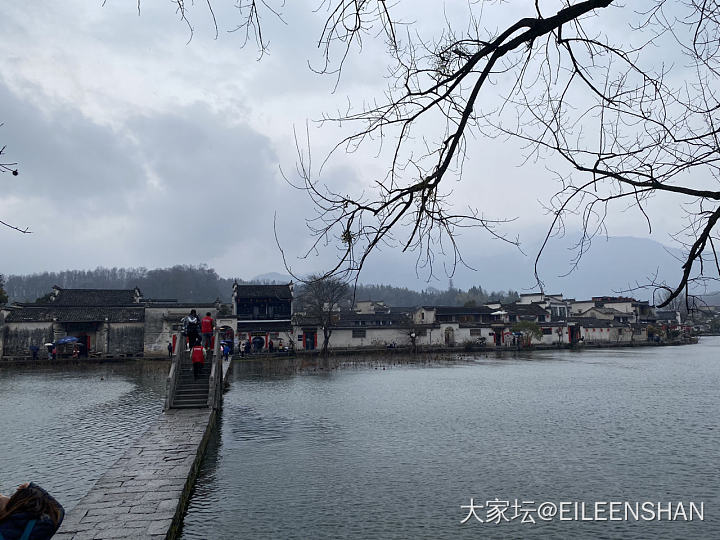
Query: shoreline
(354, 351)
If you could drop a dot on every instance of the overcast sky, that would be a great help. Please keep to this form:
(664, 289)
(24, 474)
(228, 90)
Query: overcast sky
(140, 147)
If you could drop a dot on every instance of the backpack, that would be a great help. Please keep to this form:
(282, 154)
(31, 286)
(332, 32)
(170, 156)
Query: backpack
(192, 324)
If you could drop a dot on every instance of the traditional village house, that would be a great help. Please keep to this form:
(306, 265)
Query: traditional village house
(637, 311)
(554, 303)
(107, 322)
(377, 329)
(104, 321)
(595, 331)
(263, 313)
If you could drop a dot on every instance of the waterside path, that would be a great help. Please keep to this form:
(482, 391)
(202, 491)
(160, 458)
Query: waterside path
(145, 493)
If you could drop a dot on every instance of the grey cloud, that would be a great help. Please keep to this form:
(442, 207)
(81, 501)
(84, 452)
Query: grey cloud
(63, 155)
(215, 177)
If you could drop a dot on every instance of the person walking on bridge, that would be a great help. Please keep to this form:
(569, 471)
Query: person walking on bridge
(207, 326)
(198, 360)
(191, 328)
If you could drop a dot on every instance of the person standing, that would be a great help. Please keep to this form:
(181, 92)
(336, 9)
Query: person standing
(198, 360)
(207, 326)
(34, 351)
(226, 351)
(191, 328)
(170, 349)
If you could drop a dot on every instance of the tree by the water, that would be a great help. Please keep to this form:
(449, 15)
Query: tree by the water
(322, 298)
(529, 329)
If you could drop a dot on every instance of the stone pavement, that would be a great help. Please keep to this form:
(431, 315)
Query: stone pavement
(144, 494)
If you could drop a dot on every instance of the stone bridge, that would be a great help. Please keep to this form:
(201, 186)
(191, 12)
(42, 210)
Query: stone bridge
(146, 492)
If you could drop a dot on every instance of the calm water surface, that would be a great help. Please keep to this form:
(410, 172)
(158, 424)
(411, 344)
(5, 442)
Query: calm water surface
(64, 426)
(366, 453)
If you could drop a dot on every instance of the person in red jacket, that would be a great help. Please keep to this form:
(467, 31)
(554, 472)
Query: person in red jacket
(207, 325)
(198, 360)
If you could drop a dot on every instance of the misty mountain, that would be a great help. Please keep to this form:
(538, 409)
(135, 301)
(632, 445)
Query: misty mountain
(272, 277)
(614, 266)
(618, 265)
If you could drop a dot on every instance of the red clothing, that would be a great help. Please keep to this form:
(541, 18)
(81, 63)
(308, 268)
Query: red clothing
(197, 355)
(206, 325)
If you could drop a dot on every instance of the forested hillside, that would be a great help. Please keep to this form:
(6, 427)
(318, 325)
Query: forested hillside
(182, 282)
(202, 284)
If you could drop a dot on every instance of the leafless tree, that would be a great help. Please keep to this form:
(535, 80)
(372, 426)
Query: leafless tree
(6, 167)
(621, 114)
(322, 297)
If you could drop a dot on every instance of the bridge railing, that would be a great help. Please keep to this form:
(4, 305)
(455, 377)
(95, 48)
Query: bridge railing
(216, 376)
(172, 378)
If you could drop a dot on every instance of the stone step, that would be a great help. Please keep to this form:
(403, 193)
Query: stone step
(192, 388)
(187, 399)
(189, 406)
(196, 400)
(191, 395)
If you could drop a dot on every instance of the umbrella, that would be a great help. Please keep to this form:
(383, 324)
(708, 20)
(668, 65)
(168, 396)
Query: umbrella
(49, 344)
(66, 339)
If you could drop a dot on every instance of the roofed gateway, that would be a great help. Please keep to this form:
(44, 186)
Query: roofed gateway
(264, 314)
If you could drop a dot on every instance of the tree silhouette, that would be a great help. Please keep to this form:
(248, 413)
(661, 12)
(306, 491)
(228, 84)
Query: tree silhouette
(617, 122)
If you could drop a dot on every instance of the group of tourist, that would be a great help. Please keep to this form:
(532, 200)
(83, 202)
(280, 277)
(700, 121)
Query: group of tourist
(195, 328)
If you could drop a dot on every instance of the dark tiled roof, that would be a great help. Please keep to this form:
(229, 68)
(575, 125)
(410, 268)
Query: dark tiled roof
(589, 322)
(351, 316)
(526, 309)
(94, 297)
(263, 291)
(77, 314)
(461, 310)
(401, 309)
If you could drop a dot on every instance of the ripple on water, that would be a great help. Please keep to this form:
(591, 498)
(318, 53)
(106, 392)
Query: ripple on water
(366, 453)
(64, 426)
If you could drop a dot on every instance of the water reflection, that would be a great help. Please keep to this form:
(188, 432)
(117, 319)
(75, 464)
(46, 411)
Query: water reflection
(63, 426)
(366, 452)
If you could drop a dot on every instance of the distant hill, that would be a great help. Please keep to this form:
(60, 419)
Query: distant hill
(182, 282)
(613, 266)
(272, 277)
(201, 284)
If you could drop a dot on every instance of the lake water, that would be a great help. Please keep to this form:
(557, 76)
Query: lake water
(363, 452)
(64, 426)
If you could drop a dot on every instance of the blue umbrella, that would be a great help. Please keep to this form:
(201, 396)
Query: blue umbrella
(66, 339)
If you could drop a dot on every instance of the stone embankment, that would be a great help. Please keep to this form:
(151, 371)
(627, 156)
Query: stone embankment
(146, 492)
